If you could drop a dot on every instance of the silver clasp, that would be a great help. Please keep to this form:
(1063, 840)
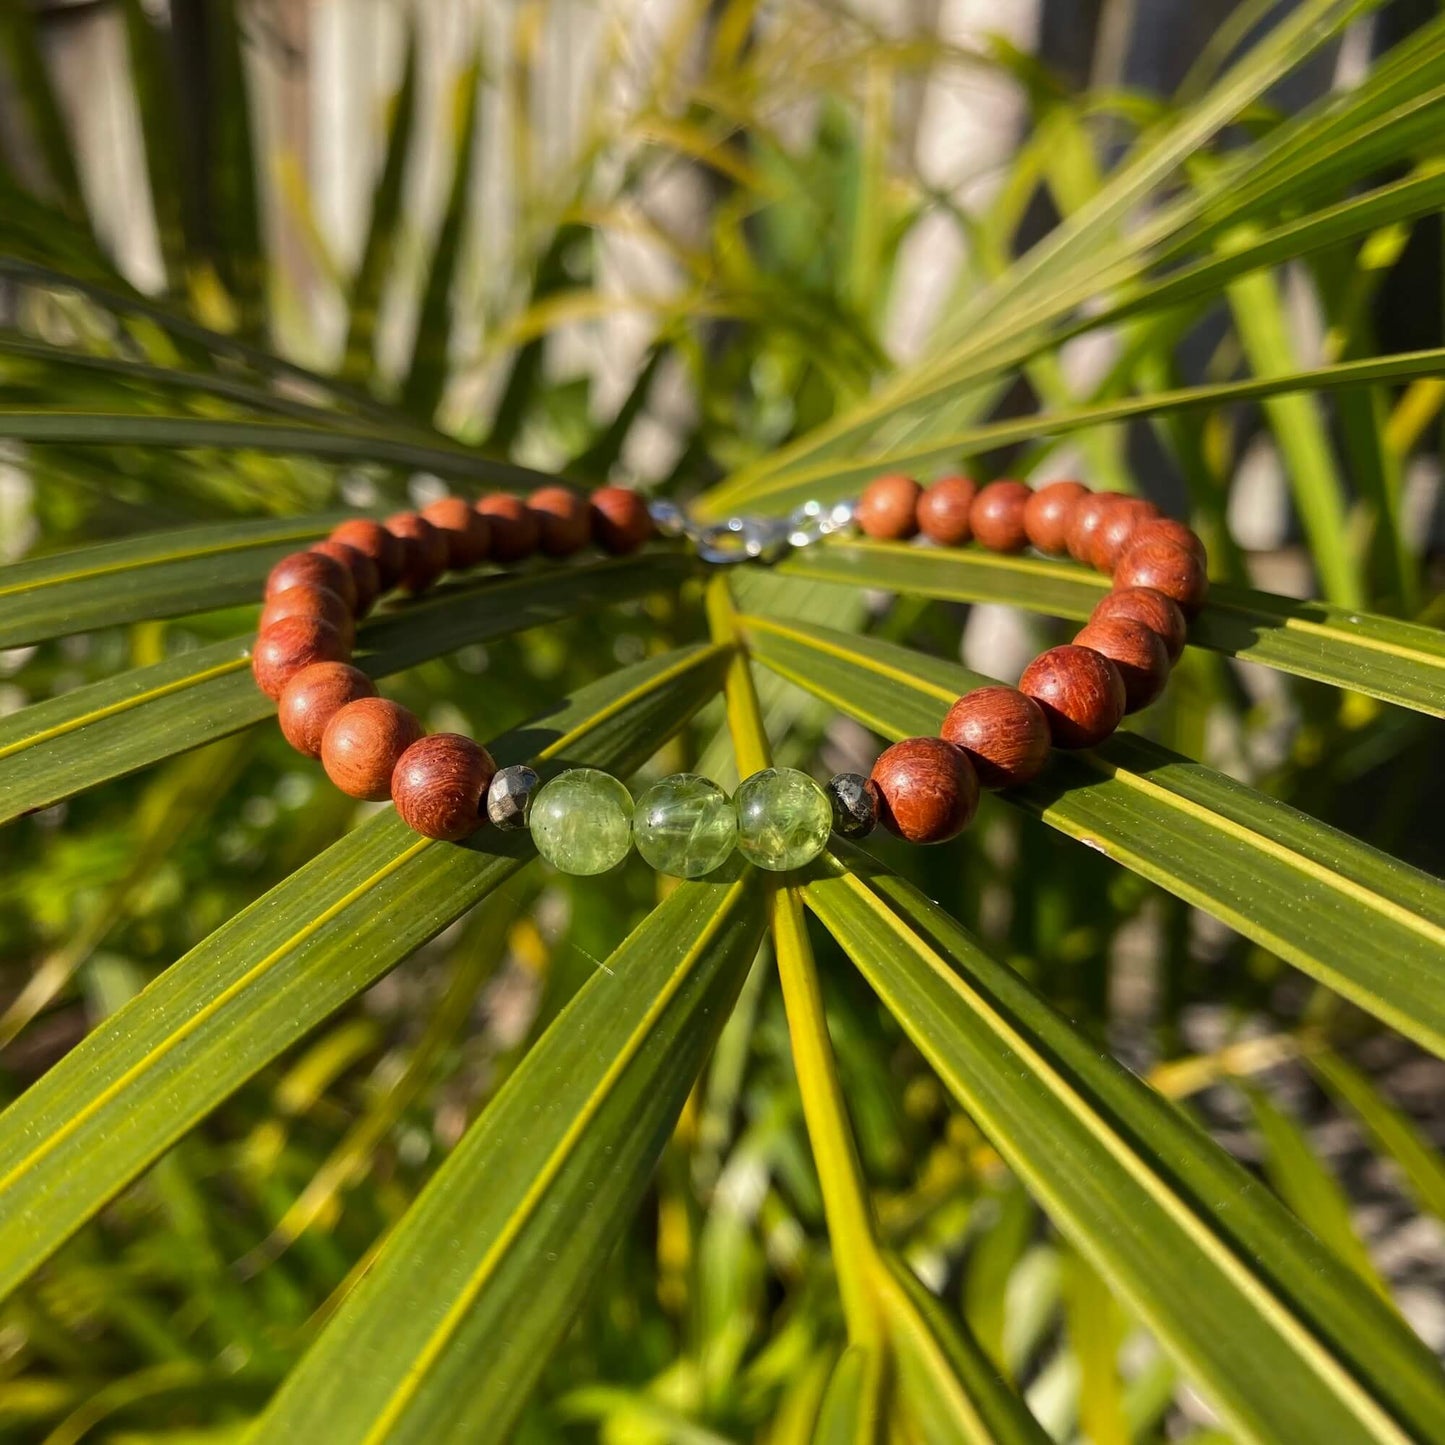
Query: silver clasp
(744, 539)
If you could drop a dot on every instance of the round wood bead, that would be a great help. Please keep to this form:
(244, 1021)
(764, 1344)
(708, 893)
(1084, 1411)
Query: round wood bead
(467, 533)
(515, 532)
(313, 697)
(440, 785)
(1157, 612)
(365, 575)
(564, 520)
(1049, 512)
(997, 516)
(372, 540)
(362, 744)
(1167, 569)
(424, 550)
(888, 509)
(1080, 691)
(927, 790)
(1118, 529)
(1004, 733)
(942, 511)
(1088, 517)
(1136, 650)
(319, 602)
(620, 520)
(1166, 529)
(282, 650)
(311, 569)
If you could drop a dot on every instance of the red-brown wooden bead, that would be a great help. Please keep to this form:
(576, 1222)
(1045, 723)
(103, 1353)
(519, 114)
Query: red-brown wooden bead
(313, 697)
(424, 551)
(621, 522)
(374, 541)
(927, 790)
(311, 569)
(1166, 529)
(1167, 569)
(440, 784)
(365, 576)
(1048, 514)
(1136, 650)
(997, 516)
(319, 602)
(1004, 733)
(467, 533)
(888, 508)
(293, 643)
(362, 744)
(1118, 529)
(1088, 517)
(1081, 693)
(1157, 612)
(564, 520)
(942, 511)
(515, 532)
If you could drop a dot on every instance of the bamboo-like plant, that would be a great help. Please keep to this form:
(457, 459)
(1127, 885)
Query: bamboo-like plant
(840, 1156)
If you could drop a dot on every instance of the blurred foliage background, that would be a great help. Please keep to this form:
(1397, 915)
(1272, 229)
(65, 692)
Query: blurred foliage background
(659, 242)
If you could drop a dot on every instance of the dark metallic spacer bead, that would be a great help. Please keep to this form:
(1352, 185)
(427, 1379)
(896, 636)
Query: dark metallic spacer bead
(509, 798)
(854, 800)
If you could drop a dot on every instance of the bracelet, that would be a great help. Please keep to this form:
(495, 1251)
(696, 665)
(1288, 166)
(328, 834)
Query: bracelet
(583, 821)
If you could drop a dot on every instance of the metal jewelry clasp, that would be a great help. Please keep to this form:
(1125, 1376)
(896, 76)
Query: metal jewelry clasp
(744, 539)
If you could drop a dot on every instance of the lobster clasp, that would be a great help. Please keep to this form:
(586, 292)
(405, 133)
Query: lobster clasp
(744, 539)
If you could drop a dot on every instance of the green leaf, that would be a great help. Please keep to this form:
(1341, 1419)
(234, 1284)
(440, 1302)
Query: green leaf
(117, 1100)
(851, 1412)
(59, 747)
(445, 1337)
(1399, 662)
(1289, 1344)
(1369, 926)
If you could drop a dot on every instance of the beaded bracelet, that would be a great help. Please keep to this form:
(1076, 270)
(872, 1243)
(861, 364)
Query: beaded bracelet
(925, 790)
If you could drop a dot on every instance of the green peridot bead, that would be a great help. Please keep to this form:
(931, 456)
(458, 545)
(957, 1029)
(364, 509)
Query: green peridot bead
(784, 819)
(685, 825)
(581, 821)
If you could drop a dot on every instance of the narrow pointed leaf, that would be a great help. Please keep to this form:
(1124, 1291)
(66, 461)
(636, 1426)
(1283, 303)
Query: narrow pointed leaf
(1289, 1344)
(262, 981)
(1369, 926)
(850, 1411)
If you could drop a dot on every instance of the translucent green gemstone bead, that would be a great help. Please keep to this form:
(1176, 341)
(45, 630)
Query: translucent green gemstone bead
(685, 825)
(784, 819)
(581, 821)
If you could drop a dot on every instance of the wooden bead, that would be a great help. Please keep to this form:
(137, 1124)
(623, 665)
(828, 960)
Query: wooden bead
(1048, 514)
(313, 697)
(319, 602)
(1166, 529)
(362, 744)
(467, 533)
(1157, 612)
(1167, 569)
(1004, 733)
(997, 516)
(1088, 517)
(927, 790)
(564, 520)
(888, 509)
(942, 511)
(311, 569)
(372, 540)
(293, 643)
(1120, 525)
(620, 520)
(440, 784)
(515, 532)
(365, 575)
(1080, 691)
(424, 550)
(1136, 650)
